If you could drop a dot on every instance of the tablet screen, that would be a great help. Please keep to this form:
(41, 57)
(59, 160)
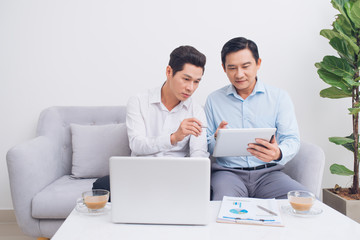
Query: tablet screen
(234, 142)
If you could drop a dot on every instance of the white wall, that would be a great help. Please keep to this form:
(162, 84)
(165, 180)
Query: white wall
(87, 52)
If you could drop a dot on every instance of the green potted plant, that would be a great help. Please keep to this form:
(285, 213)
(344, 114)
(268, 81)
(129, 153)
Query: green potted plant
(342, 74)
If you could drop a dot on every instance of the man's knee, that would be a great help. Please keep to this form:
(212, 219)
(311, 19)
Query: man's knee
(102, 183)
(277, 185)
(293, 185)
(233, 191)
(227, 186)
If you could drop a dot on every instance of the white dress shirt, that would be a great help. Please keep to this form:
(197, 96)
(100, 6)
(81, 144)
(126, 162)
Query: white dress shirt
(150, 124)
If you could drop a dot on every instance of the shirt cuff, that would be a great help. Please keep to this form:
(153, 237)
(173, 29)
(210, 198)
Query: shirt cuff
(164, 142)
(281, 156)
(211, 143)
(199, 153)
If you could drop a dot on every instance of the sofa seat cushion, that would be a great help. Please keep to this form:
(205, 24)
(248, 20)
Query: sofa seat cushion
(57, 200)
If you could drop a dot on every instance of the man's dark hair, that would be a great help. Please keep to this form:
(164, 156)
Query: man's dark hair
(237, 44)
(186, 54)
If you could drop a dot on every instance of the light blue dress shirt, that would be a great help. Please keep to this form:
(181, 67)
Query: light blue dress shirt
(265, 107)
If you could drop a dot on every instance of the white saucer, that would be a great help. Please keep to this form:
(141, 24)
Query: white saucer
(81, 208)
(313, 211)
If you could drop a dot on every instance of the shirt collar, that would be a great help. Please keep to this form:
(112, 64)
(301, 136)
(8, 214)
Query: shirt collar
(155, 97)
(259, 88)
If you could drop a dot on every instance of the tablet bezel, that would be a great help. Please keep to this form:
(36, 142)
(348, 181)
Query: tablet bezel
(233, 142)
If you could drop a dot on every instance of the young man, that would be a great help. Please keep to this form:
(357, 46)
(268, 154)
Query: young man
(166, 121)
(249, 103)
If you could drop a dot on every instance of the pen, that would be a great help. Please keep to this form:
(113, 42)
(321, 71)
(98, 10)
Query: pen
(266, 210)
(202, 125)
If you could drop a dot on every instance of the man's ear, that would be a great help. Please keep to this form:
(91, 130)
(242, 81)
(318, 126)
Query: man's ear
(258, 63)
(223, 66)
(169, 71)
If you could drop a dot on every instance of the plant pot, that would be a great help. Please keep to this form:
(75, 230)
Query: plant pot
(350, 208)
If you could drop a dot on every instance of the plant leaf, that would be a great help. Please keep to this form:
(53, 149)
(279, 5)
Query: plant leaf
(349, 146)
(334, 93)
(344, 29)
(354, 110)
(342, 25)
(330, 34)
(351, 82)
(339, 5)
(354, 13)
(340, 170)
(318, 65)
(337, 66)
(340, 140)
(333, 80)
(343, 48)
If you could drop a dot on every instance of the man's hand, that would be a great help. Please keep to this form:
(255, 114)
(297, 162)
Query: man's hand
(221, 126)
(187, 126)
(268, 152)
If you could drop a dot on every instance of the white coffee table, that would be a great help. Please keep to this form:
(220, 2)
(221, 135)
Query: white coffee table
(328, 225)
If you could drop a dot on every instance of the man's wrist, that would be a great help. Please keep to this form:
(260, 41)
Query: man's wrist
(280, 156)
(173, 139)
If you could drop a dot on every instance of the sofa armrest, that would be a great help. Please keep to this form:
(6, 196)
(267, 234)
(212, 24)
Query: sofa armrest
(307, 167)
(32, 166)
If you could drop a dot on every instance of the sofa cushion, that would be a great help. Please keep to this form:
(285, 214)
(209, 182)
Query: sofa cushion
(58, 199)
(93, 146)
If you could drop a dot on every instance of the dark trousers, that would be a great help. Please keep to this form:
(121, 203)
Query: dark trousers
(103, 183)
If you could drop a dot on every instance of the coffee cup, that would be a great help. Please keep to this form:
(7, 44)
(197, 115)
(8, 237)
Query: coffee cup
(94, 200)
(301, 201)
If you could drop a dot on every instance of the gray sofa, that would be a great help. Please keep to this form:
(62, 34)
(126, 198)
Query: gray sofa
(43, 190)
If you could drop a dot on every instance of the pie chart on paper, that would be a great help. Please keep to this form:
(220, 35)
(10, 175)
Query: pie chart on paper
(238, 211)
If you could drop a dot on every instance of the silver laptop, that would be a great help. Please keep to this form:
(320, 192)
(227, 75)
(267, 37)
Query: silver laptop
(160, 190)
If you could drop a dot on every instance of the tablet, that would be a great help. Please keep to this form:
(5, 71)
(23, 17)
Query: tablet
(234, 142)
